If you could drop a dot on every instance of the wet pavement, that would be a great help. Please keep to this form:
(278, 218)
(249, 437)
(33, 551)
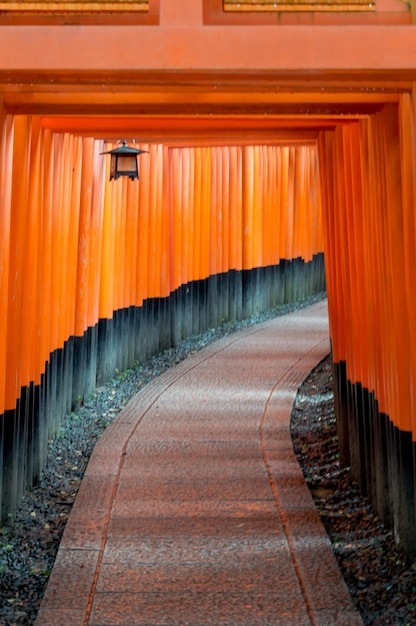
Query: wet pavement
(193, 510)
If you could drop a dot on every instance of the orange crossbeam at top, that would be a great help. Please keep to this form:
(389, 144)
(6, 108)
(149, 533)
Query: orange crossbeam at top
(222, 95)
(199, 129)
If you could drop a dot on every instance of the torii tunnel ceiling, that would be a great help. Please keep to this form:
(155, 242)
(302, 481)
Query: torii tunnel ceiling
(337, 89)
(202, 107)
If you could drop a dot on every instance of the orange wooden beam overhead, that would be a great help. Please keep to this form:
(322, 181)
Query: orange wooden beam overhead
(200, 129)
(207, 80)
(186, 101)
(195, 47)
(183, 106)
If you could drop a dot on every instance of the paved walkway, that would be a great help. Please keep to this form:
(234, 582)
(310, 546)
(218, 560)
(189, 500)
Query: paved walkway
(193, 510)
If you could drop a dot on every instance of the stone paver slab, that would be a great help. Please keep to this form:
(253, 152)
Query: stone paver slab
(198, 609)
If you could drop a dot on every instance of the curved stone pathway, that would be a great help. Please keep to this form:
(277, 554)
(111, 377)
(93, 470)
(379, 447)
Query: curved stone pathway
(193, 510)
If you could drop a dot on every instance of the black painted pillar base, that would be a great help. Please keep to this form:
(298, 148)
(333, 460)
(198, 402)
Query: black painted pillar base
(381, 456)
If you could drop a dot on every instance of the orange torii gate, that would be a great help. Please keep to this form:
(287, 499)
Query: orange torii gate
(276, 132)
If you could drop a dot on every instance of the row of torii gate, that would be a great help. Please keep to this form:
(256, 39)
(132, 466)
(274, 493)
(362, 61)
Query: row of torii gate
(248, 111)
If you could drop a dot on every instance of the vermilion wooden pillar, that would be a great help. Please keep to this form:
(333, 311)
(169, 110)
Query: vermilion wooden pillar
(408, 161)
(6, 137)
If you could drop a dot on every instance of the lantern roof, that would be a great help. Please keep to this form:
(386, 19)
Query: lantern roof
(125, 149)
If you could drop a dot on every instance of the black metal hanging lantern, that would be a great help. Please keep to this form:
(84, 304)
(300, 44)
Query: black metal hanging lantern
(124, 162)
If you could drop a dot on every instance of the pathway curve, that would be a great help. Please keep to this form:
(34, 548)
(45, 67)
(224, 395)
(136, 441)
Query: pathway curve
(193, 510)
